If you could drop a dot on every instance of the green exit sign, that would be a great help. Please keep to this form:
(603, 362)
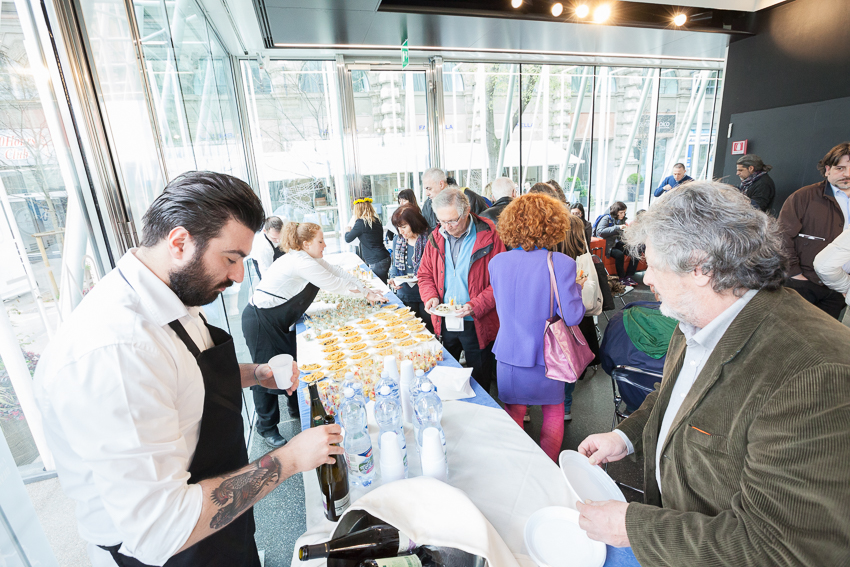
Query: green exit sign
(405, 55)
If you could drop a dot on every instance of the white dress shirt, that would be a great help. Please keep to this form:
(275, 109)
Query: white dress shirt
(832, 265)
(262, 251)
(122, 399)
(291, 273)
(700, 344)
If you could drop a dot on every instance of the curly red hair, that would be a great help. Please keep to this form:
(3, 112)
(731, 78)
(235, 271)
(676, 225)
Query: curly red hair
(533, 221)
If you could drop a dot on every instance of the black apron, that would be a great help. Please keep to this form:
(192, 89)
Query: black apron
(271, 331)
(275, 250)
(221, 449)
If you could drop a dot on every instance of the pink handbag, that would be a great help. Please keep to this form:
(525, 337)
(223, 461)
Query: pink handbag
(565, 351)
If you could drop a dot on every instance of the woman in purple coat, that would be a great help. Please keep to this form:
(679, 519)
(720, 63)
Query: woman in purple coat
(532, 225)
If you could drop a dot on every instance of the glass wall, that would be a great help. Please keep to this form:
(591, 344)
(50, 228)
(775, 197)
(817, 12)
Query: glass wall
(482, 133)
(602, 133)
(36, 182)
(556, 127)
(292, 110)
(192, 89)
(391, 124)
(622, 113)
(686, 129)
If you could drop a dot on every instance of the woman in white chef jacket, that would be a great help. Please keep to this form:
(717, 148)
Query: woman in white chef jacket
(283, 295)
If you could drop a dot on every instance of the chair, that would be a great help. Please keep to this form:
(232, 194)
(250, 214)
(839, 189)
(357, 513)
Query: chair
(597, 246)
(598, 249)
(631, 387)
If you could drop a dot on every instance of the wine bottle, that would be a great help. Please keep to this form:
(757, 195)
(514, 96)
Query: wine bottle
(377, 541)
(333, 480)
(317, 410)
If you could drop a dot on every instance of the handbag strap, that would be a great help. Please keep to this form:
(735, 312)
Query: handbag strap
(553, 287)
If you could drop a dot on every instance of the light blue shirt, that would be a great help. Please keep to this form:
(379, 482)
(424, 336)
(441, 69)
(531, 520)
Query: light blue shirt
(458, 261)
(843, 202)
(700, 345)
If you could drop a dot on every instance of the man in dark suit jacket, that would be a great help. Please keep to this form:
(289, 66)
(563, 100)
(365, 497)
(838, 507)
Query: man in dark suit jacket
(504, 191)
(745, 438)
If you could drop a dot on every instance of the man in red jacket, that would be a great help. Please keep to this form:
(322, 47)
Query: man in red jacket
(455, 267)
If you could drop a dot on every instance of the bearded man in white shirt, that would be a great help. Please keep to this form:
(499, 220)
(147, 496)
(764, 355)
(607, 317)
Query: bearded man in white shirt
(141, 398)
(744, 440)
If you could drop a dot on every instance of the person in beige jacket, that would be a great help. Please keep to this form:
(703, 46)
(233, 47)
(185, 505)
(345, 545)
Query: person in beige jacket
(745, 438)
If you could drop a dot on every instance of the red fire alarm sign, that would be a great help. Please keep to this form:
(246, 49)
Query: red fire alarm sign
(739, 148)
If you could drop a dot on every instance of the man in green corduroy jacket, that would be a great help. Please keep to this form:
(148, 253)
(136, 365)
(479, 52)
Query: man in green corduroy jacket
(746, 440)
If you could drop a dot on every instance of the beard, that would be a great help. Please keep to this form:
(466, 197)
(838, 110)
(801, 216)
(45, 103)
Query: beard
(194, 285)
(685, 314)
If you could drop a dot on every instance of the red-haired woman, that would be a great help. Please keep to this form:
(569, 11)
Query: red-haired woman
(532, 225)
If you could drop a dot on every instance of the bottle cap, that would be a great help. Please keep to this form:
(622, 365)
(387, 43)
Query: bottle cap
(349, 375)
(385, 390)
(426, 387)
(348, 392)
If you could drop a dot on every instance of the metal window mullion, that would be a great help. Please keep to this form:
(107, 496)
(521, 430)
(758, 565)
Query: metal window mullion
(146, 86)
(244, 123)
(436, 112)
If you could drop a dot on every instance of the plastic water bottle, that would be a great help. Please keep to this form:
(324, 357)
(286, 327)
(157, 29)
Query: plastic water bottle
(391, 383)
(351, 381)
(357, 443)
(388, 414)
(416, 387)
(429, 411)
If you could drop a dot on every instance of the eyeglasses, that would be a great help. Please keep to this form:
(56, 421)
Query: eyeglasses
(454, 222)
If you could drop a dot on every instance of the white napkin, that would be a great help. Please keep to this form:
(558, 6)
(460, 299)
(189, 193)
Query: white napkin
(452, 383)
(444, 516)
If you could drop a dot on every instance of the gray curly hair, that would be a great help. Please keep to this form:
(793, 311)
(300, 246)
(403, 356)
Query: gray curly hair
(713, 226)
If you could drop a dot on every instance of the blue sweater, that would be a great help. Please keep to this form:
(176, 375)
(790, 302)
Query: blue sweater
(671, 181)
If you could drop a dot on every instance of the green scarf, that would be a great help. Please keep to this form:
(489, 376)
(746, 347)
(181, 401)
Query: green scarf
(649, 330)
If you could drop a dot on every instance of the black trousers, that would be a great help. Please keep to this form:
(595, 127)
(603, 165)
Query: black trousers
(481, 360)
(618, 252)
(825, 299)
(268, 409)
(382, 268)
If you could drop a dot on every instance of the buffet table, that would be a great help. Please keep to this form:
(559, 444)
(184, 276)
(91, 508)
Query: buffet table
(502, 470)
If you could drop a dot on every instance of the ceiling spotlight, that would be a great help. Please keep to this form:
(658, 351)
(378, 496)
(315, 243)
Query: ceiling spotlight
(582, 10)
(680, 19)
(601, 13)
(516, 3)
(557, 9)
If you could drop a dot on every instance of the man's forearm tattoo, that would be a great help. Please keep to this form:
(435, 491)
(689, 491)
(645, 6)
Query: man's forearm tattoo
(238, 493)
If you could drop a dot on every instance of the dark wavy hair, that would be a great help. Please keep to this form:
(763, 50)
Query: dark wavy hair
(409, 196)
(201, 202)
(409, 214)
(833, 156)
(580, 207)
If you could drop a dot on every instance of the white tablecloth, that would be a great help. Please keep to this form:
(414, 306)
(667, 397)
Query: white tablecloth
(502, 470)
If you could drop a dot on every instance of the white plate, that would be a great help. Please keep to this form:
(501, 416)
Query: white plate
(586, 481)
(438, 314)
(554, 539)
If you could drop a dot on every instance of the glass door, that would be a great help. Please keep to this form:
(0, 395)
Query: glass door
(391, 130)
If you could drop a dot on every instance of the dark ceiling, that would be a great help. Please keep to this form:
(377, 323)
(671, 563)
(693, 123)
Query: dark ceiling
(631, 14)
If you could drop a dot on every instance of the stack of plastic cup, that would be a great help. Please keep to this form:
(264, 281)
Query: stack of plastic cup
(404, 384)
(391, 367)
(432, 456)
(392, 464)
